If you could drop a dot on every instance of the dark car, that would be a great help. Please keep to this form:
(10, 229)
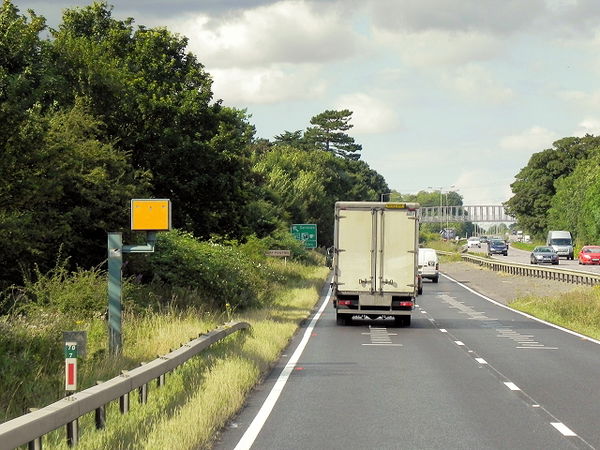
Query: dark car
(541, 255)
(497, 246)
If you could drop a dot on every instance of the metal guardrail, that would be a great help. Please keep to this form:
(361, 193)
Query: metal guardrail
(29, 428)
(535, 271)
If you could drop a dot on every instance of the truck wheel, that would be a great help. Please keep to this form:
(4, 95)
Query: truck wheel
(420, 290)
(436, 279)
(402, 321)
(342, 319)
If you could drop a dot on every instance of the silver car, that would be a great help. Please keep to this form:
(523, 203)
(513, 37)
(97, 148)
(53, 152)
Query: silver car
(541, 255)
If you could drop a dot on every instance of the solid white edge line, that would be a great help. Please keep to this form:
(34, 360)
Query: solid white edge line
(254, 429)
(529, 316)
(564, 430)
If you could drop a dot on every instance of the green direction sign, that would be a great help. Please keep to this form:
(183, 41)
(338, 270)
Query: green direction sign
(70, 350)
(307, 233)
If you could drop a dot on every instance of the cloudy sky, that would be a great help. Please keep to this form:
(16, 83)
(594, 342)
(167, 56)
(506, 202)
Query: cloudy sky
(444, 92)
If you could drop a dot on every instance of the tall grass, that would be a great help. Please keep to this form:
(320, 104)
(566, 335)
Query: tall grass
(201, 395)
(578, 310)
(447, 246)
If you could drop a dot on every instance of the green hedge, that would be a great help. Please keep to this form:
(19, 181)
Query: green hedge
(219, 274)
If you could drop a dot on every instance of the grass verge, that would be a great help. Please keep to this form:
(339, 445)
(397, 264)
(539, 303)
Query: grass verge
(578, 310)
(201, 395)
(527, 246)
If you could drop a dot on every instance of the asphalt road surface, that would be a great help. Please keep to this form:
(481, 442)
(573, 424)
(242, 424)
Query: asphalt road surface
(523, 257)
(468, 374)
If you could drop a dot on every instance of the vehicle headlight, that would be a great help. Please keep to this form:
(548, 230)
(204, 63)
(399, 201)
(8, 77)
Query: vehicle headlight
(539, 256)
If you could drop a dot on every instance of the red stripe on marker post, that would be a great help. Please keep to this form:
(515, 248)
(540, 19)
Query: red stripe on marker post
(70, 374)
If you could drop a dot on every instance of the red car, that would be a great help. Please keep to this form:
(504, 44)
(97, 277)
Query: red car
(590, 254)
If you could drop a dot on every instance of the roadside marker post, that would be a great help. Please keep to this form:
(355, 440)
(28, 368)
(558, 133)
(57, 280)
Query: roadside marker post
(151, 216)
(70, 366)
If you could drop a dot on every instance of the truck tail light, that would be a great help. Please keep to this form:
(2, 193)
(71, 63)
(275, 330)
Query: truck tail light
(344, 302)
(409, 304)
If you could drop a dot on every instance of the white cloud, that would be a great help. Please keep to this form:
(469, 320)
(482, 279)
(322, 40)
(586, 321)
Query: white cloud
(477, 83)
(370, 115)
(436, 47)
(269, 85)
(590, 125)
(290, 31)
(534, 139)
(483, 187)
(581, 99)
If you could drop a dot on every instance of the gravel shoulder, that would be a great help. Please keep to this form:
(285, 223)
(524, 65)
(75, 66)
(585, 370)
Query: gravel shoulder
(502, 287)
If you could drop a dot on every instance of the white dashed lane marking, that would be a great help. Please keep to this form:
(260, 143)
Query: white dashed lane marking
(512, 386)
(565, 430)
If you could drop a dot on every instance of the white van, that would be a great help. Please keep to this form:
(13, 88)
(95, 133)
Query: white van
(561, 242)
(429, 264)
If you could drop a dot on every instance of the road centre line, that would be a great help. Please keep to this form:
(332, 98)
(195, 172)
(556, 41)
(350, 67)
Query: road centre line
(529, 316)
(265, 410)
(513, 387)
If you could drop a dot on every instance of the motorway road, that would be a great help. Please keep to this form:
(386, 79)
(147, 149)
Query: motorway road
(467, 374)
(523, 257)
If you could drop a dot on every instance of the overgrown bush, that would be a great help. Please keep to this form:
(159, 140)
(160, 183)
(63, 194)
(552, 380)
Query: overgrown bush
(219, 274)
(80, 293)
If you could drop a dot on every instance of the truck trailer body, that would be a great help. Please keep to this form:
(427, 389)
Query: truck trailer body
(375, 265)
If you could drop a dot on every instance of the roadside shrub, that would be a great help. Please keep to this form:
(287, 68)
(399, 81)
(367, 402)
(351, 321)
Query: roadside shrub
(284, 240)
(425, 237)
(220, 274)
(80, 292)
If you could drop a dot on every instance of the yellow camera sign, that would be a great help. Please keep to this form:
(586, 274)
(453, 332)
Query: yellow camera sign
(396, 205)
(150, 214)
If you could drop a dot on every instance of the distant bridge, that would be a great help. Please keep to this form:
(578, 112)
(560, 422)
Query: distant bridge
(476, 213)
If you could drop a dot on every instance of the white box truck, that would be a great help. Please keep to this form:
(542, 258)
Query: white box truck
(375, 266)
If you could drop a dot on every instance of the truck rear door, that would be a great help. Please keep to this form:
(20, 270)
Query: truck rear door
(356, 244)
(397, 259)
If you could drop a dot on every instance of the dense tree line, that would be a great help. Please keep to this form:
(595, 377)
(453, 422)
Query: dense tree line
(102, 111)
(558, 189)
